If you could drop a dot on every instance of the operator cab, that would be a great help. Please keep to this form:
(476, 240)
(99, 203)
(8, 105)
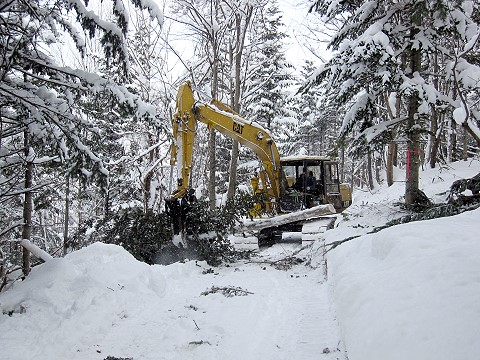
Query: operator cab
(309, 181)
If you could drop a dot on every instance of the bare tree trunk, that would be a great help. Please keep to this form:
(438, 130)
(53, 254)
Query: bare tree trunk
(147, 192)
(395, 155)
(211, 169)
(436, 145)
(413, 135)
(79, 202)
(3, 270)
(342, 162)
(378, 167)
(232, 182)
(413, 155)
(369, 170)
(453, 141)
(106, 204)
(147, 180)
(241, 31)
(212, 150)
(352, 180)
(27, 204)
(67, 215)
(363, 177)
(465, 145)
(433, 143)
(235, 106)
(391, 147)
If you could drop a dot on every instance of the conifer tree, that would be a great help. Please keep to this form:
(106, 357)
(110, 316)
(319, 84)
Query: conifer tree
(42, 102)
(269, 83)
(318, 125)
(383, 47)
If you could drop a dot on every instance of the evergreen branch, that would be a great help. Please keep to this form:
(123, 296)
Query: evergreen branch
(50, 80)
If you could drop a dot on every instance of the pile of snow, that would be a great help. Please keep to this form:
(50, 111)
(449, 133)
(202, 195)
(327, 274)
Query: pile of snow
(374, 208)
(411, 291)
(98, 274)
(69, 302)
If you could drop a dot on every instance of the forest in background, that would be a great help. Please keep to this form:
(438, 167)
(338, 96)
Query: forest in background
(87, 95)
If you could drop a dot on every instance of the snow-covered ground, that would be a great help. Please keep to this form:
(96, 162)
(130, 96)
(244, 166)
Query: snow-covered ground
(411, 291)
(100, 302)
(407, 292)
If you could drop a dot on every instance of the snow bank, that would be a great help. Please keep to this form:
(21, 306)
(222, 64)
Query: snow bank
(85, 293)
(374, 208)
(411, 291)
(81, 280)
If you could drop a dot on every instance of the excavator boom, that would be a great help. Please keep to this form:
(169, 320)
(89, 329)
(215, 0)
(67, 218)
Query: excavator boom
(220, 117)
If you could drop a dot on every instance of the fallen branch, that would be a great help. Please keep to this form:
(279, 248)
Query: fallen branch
(286, 262)
(228, 291)
(316, 211)
(201, 342)
(438, 211)
(334, 244)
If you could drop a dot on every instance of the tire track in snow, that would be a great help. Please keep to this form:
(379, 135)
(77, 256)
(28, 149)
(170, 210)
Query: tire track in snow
(317, 332)
(291, 316)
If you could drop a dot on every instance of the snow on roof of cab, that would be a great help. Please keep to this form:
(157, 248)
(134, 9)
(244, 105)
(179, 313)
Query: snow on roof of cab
(304, 157)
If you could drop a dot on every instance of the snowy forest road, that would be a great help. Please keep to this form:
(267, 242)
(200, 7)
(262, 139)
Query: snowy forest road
(100, 303)
(285, 314)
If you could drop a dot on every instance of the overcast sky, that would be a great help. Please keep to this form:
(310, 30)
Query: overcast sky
(298, 25)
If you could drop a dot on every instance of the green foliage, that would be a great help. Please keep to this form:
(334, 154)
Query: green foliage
(242, 203)
(422, 202)
(374, 49)
(142, 235)
(148, 236)
(459, 186)
(207, 231)
(269, 100)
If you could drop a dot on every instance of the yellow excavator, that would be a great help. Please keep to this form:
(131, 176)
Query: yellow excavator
(300, 187)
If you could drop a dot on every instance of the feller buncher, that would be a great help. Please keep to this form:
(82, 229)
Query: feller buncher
(298, 189)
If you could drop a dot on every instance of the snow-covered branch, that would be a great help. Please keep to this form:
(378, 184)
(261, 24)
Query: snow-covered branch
(35, 250)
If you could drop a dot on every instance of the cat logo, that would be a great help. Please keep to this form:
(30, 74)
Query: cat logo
(238, 128)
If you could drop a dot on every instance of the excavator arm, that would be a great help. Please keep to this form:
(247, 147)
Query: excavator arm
(220, 117)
